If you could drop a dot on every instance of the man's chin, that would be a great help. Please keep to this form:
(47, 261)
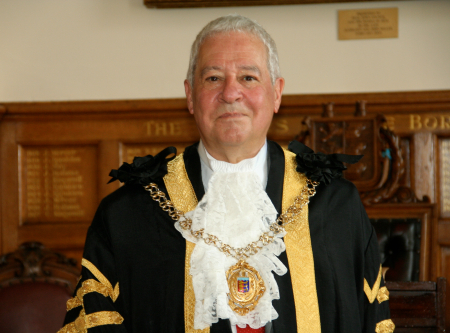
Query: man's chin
(233, 138)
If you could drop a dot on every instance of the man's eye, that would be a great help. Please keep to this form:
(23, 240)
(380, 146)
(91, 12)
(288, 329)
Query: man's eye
(249, 78)
(212, 78)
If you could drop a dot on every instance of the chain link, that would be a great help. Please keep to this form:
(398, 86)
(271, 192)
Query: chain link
(240, 253)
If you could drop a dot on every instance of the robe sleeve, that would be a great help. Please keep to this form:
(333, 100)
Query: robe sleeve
(95, 306)
(376, 304)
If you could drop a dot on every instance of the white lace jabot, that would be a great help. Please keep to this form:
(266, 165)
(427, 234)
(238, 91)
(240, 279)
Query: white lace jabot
(237, 210)
(259, 164)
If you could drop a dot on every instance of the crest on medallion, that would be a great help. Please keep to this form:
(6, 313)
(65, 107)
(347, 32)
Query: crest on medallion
(246, 287)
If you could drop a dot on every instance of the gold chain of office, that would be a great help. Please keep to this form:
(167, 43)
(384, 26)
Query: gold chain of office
(252, 248)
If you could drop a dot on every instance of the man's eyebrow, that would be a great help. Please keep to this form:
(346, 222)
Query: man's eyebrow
(209, 68)
(251, 68)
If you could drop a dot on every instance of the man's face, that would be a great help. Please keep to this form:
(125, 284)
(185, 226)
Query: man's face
(233, 99)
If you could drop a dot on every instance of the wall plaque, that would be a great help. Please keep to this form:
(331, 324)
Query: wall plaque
(368, 23)
(58, 183)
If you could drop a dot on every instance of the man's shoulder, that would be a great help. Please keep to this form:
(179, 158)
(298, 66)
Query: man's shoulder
(339, 190)
(127, 193)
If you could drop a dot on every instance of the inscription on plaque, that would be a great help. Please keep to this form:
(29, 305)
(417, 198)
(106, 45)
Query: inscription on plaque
(445, 177)
(58, 183)
(368, 23)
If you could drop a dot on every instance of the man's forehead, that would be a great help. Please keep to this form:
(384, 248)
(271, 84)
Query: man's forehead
(243, 50)
(247, 68)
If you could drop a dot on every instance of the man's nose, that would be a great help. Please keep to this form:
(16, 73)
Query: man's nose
(232, 91)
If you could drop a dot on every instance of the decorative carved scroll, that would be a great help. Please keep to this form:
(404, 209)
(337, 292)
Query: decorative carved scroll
(34, 262)
(377, 176)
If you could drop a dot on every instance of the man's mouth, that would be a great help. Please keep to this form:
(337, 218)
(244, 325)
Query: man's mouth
(231, 115)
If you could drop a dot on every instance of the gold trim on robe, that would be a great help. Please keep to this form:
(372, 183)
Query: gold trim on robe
(385, 326)
(183, 197)
(383, 295)
(113, 293)
(104, 287)
(83, 322)
(372, 293)
(299, 252)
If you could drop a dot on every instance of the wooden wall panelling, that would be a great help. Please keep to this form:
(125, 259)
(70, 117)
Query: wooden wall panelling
(424, 165)
(444, 252)
(10, 187)
(443, 163)
(3, 164)
(444, 246)
(405, 146)
(66, 154)
(389, 104)
(81, 132)
(59, 192)
(108, 158)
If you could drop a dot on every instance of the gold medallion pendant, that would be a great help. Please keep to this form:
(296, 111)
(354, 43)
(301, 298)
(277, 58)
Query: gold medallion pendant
(246, 287)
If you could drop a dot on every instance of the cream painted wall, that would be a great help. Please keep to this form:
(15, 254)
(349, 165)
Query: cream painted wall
(117, 49)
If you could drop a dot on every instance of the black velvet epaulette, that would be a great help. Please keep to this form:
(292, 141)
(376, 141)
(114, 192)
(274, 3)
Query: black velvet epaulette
(320, 167)
(144, 170)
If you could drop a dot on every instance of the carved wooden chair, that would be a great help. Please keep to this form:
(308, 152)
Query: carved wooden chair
(35, 284)
(417, 306)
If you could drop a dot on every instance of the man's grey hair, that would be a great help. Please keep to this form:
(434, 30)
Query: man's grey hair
(235, 23)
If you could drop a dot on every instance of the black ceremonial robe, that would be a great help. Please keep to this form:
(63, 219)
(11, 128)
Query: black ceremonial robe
(134, 262)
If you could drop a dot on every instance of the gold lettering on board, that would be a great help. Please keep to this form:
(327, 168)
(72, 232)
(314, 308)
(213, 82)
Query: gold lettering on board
(445, 122)
(174, 128)
(160, 128)
(415, 122)
(430, 122)
(55, 183)
(282, 126)
(155, 128)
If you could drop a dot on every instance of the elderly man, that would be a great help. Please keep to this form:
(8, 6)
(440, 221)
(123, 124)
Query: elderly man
(264, 239)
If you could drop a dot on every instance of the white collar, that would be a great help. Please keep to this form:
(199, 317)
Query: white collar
(258, 164)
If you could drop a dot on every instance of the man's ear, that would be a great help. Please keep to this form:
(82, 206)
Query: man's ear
(278, 90)
(188, 91)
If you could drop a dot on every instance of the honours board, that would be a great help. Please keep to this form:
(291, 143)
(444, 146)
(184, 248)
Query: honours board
(56, 183)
